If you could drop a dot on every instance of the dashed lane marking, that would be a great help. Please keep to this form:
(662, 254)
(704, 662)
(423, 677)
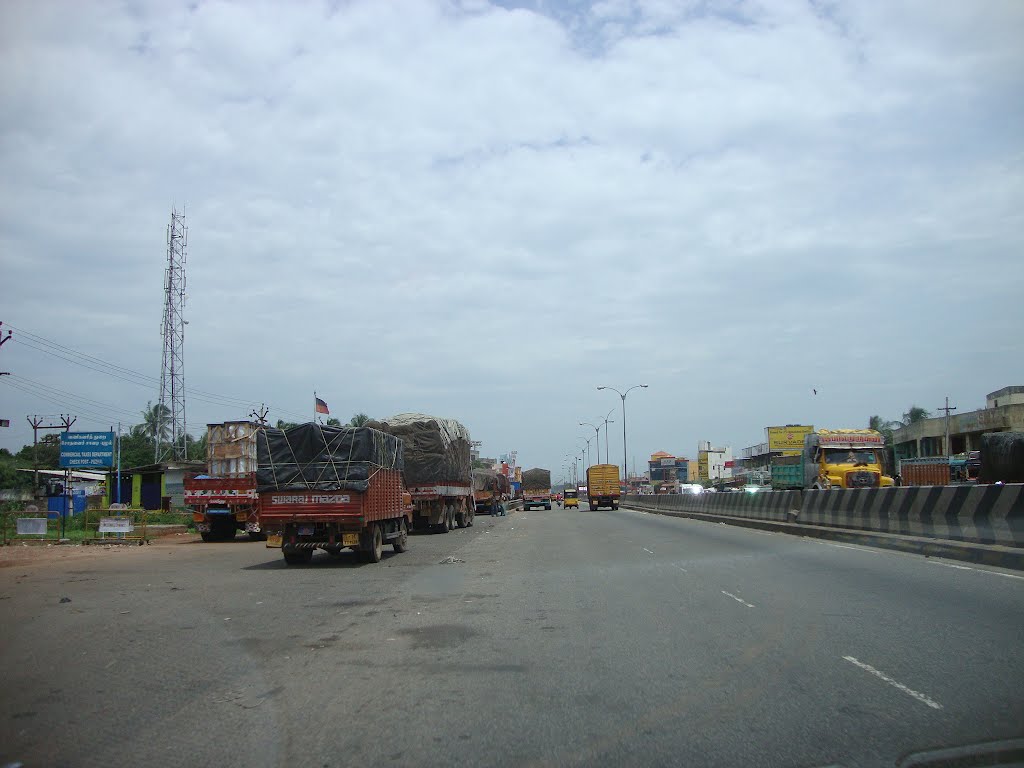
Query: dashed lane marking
(738, 599)
(923, 698)
(647, 550)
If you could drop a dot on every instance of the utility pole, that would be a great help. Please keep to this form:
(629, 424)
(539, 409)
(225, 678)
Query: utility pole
(172, 371)
(947, 409)
(37, 424)
(260, 415)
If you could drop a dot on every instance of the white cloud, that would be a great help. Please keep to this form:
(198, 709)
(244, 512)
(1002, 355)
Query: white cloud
(486, 211)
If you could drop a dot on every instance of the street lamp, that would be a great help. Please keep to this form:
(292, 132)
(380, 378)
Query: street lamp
(588, 439)
(607, 454)
(597, 439)
(625, 472)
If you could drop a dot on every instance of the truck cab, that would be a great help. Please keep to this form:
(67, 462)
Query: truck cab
(844, 458)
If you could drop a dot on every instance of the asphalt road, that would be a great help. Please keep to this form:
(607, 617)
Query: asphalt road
(548, 638)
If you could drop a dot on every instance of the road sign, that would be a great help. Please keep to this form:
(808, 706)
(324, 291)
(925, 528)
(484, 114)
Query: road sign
(86, 449)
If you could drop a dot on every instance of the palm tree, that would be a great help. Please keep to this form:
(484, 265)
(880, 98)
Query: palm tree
(333, 422)
(914, 415)
(358, 420)
(156, 421)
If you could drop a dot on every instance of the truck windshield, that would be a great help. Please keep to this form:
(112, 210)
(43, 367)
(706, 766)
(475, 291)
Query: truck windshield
(848, 456)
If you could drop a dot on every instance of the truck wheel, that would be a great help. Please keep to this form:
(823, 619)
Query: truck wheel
(547, 506)
(615, 505)
(376, 548)
(470, 515)
(402, 542)
(208, 536)
(253, 536)
(449, 518)
(297, 556)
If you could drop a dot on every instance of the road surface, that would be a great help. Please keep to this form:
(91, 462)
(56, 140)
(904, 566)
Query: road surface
(541, 638)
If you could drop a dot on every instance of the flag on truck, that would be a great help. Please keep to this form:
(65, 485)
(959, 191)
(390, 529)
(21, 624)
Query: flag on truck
(321, 406)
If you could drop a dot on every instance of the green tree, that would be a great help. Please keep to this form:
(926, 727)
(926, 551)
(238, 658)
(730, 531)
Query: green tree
(358, 420)
(915, 414)
(197, 448)
(156, 420)
(136, 447)
(333, 422)
(282, 424)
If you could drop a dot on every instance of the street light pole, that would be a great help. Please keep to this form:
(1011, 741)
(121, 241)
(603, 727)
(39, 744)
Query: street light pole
(597, 438)
(607, 453)
(623, 396)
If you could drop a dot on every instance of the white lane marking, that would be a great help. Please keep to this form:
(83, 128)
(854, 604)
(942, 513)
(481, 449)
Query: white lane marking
(738, 599)
(763, 533)
(647, 550)
(924, 699)
(950, 565)
(1000, 573)
(682, 569)
(847, 546)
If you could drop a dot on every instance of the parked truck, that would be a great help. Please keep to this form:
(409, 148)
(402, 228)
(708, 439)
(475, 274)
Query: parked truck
(438, 469)
(929, 470)
(332, 488)
(537, 488)
(603, 486)
(223, 501)
(489, 488)
(834, 458)
(1001, 459)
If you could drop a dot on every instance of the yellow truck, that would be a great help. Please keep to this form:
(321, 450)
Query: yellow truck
(603, 486)
(844, 458)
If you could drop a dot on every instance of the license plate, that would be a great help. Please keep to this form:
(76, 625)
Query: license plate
(350, 539)
(274, 540)
(306, 530)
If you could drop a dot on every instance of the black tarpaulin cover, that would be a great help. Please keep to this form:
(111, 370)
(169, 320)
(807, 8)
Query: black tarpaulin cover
(436, 450)
(316, 457)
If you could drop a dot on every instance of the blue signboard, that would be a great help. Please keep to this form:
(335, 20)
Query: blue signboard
(86, 449)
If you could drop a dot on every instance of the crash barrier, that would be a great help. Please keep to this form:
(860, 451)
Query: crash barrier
(781, 506)
(982, 514)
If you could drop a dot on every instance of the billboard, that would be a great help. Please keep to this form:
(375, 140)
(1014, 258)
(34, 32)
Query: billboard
(788, 439)
(86, 449)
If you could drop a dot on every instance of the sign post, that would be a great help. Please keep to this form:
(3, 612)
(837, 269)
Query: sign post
(83, 450)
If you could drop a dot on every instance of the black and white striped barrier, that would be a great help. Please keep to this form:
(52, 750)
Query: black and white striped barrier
(983, 514)
(781, 506)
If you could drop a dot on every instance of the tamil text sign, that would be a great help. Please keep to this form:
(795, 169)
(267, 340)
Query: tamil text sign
(788, 439)
(86, 449)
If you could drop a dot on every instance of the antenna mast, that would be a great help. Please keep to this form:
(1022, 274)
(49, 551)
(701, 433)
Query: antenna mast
(172, 371)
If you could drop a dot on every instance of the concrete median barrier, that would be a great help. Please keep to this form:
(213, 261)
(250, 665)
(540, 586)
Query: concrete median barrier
(777, 505)
(983, 514)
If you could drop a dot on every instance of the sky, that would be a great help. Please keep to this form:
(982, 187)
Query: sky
(484, 211)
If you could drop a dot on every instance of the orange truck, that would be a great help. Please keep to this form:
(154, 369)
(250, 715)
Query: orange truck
(332, 488)
(223, 501)
(603, 489)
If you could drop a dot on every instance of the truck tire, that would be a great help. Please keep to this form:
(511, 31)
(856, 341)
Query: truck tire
(615, 505)
(547, 506)
(470, 515)
(449, 518)
(297, 556)
(253, 536)
(208, 536)
(460, 518)
(375, 542)
(402, 542)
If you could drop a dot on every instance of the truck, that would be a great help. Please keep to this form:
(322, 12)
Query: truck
(332, 488)
(834, 458)
(1001, 459)
(928, 470)
(603, 486)
(223, 501)
(488, 489)
(537, 488)
(438, 469)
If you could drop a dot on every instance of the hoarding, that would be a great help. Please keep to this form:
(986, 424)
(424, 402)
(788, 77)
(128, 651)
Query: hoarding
(86, 449)
(670, 462)
(788, 439)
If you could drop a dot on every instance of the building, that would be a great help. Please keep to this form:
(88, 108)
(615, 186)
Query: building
(755, 462)
(666, 470)
(1003, 412)
(713, 463)
(154, 486)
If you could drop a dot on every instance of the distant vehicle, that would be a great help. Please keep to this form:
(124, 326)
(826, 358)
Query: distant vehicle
(572, 499)
(838, 458)
(223, 501)
(537, 488)
(693, 489)
(603, 486)
(973, 464)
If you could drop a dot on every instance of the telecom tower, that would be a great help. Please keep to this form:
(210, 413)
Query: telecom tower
(172, 372)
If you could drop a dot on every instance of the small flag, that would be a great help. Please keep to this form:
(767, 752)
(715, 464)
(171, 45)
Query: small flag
(321, 406)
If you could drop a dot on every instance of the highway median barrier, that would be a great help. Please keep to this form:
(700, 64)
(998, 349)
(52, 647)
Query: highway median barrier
(981, 523)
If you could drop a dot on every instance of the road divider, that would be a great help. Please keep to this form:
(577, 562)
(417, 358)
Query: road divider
(981, 523)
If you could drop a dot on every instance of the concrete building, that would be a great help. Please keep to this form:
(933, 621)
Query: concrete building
(665, 469)
(154, 486)
(1003, 412)
(713, 463)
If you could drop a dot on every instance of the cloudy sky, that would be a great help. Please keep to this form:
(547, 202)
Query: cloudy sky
(484, 210)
